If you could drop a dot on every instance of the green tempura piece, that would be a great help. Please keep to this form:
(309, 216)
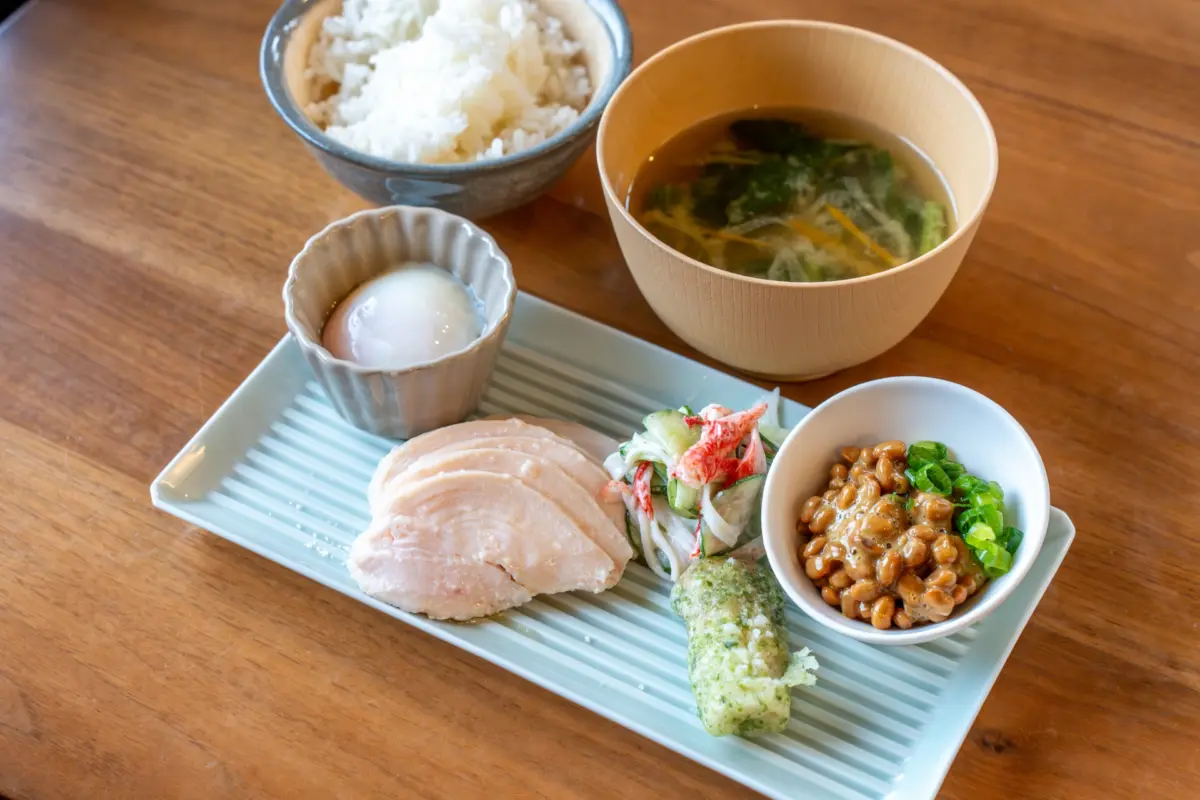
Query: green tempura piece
(738, 660)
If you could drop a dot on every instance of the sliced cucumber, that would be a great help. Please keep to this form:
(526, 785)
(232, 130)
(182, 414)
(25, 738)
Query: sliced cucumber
(772, 436)
(687, 411)
(709, 544)
(684, 500)
(658, 480)
(737, 505)
(669, 428)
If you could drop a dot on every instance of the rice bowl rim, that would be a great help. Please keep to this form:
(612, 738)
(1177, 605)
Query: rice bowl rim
(286, 19)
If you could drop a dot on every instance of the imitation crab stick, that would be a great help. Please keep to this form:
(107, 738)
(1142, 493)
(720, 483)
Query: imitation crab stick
(707, 458)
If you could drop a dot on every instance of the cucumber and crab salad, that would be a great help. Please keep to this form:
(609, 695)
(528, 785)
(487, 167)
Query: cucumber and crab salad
(692, 481)
(738, 661)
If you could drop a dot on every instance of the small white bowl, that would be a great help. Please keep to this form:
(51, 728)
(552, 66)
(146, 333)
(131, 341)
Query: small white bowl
(979, 433)
(399, 403)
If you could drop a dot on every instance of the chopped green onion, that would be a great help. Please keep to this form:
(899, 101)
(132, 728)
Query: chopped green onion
(982, 525)
(998, 563)
(988, 498)
(953, 469)
(920, 453)
(930, 477)
(980, 532)
(987, 515)
(1012, 538)
(994, 559)
(980, 520)
(968, 485)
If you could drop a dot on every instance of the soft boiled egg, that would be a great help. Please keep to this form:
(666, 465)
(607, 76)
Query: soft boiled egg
(409, 315)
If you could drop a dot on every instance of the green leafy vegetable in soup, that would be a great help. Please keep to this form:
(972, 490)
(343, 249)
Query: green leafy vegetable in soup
(792, 200)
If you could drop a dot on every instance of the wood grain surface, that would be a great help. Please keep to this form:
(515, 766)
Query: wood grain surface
(149, 204)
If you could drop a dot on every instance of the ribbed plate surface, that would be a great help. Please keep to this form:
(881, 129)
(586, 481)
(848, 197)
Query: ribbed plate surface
(277, 471)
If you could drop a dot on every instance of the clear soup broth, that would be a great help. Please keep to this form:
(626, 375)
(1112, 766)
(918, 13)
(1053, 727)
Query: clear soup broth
(793, 195)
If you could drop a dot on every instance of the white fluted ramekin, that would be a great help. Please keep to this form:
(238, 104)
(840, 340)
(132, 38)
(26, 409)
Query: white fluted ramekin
(405, 402)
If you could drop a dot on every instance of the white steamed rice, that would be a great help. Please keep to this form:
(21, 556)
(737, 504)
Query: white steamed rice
(444, 81)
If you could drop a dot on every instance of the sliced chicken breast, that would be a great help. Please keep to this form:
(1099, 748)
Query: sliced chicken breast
(595, 444)
(578, 466)
(419, 581)
(477, 518)
(398, 460)
(543, 475)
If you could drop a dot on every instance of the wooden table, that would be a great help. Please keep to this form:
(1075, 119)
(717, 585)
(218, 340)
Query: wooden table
(149, 204)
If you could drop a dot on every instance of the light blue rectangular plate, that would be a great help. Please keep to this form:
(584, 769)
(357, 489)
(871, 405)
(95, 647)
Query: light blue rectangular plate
(278, 472)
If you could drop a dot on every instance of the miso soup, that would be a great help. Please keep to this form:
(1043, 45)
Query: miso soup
(793, 195)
